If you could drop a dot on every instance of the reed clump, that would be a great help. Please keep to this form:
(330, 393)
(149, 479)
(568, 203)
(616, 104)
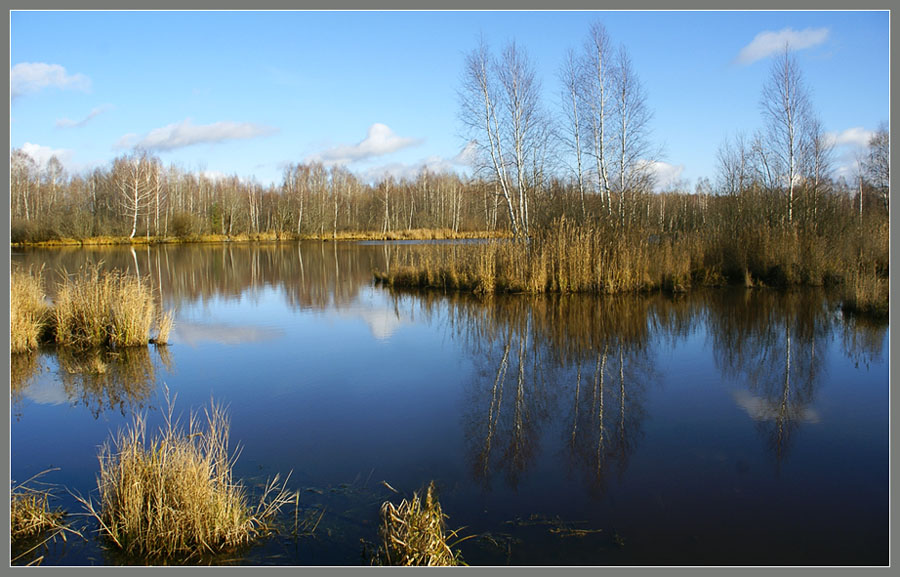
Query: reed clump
(414, 532)
(103, 308)
(866, 292)
(32, 522)
(28, 313)
(173, 496)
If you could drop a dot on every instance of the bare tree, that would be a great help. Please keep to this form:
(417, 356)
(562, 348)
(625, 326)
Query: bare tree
(733, 165)
(132, 178)
(634, 158)
(878, 163)
(160, 190)
(500, 108)
(572, 77)
(478, 112)
(54, 175)
(817, 166)
(785, 107)
(520, 98)
(596, 89)
(23, 172)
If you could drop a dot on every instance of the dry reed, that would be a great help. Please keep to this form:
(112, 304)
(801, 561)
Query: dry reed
(31, 518)
(27, 311)
(173, 496)
(103, 308)
(414, 532)
(865, 292)
(164, 326)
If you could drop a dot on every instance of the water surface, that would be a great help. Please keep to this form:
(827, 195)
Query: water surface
(725, 427)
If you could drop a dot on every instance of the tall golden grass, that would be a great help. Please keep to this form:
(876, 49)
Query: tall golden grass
(28, 314)
(414, 532)
(173, 496)
(570, 257)
(865, 292)
(96, 307)
(93, 308)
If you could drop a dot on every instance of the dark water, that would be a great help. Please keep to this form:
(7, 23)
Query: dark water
(724, 427)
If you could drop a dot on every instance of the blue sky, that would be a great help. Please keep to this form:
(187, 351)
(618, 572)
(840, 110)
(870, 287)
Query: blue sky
(247, 92)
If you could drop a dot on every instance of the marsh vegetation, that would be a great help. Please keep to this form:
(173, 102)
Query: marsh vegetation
(92, 308)
(172, 495)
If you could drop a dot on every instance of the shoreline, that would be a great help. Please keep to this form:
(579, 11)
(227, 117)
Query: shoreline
(413, 234)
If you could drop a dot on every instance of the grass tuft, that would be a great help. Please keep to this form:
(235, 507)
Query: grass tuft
(103, 308)
(173, 497)
(28, 313)
(414, 532)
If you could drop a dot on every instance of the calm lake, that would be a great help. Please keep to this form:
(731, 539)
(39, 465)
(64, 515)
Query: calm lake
(723, 427)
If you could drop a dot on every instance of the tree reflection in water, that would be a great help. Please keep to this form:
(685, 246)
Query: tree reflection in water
(582, 366)
(773, 345)
(573, 364)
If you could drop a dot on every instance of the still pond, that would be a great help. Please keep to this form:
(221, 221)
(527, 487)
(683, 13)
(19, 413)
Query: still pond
(721, 427)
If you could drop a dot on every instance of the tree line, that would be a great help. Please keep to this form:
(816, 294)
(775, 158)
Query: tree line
(588, 157)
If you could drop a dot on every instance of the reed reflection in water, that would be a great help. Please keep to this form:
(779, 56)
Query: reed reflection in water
(97, 379)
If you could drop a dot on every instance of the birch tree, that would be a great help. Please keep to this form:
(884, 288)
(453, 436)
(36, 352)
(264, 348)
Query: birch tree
(132, 178)
(572, 77)
(500, 109)
(817, 166)
(785, 108)
(634, 158)
(597, 50)
(479, 102)
(521, 94)
(878, 164)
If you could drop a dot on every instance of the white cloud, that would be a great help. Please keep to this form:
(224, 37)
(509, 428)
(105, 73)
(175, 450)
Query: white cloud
(761, 409)
(214, 174)
(435, 164)
(665, 175)
(47, 392)
(467, 155)
(186, 133)
(849, 145)
(67, 123)
(379, 141)
(856, 136)
(30, 77)
(194, 333)
(42, 154)
(770, 42)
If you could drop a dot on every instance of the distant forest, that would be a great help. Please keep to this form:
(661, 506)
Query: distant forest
(588, 158)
